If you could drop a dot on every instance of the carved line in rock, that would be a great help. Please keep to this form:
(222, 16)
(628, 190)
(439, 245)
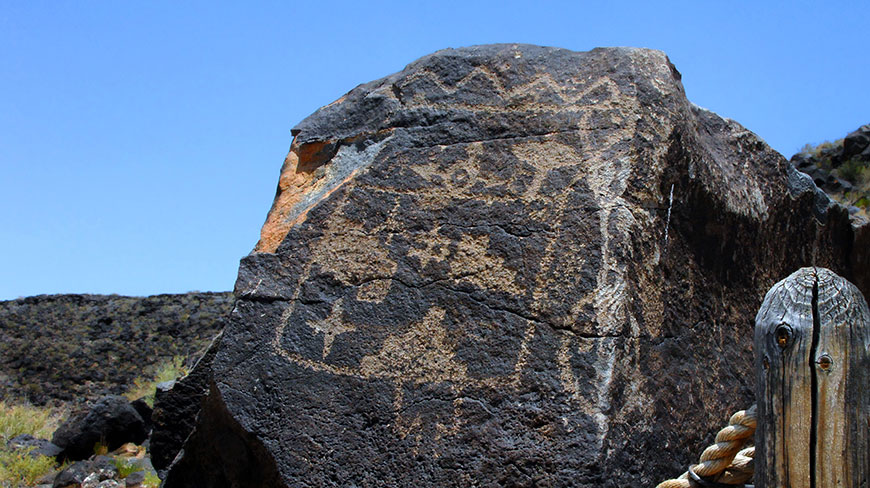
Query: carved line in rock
(517, 96)
(608, 182)
(609, 305)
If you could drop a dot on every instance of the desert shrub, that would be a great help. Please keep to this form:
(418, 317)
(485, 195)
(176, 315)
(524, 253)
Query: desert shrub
(17, 467)
(100, 449)
(854, 171)
(166, 371)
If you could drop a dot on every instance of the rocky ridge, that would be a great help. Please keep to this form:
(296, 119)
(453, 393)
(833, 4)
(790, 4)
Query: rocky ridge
(78, 348)
(842, 169)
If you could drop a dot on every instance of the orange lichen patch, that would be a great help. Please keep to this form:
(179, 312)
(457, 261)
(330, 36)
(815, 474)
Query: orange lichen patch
(297, 179)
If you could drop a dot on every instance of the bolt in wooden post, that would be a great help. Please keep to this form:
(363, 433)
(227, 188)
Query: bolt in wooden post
(812, 349)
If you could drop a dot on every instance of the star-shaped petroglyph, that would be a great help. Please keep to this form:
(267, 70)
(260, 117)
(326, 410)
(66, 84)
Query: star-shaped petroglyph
(331, 326)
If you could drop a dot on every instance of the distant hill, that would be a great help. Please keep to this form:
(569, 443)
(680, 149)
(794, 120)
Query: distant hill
(841, 168)
(74, 348)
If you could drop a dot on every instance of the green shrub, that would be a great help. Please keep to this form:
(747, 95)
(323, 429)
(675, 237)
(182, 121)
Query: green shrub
(151, 480)
(125, 467)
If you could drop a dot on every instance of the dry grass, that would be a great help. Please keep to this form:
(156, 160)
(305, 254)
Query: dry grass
(17, 419)
(17, 467)
(166, 371)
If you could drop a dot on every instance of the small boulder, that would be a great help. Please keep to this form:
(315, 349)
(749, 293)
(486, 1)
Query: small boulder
(112, 421)
(857, 143)
(104, 467)
(91, 481)
(41, 447)
(834, 154)
(135, 479)
(74, 474)
(802, 161)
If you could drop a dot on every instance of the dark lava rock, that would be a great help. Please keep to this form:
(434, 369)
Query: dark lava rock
(40, 447)
(104, 467)
(819, 164)
(88, 473)
(74, 474)
(144, 411)
(175, 409)
(220, 452)
(134, 479)
(78, 348)
(857, 143)
(112, 421)
(506, 265)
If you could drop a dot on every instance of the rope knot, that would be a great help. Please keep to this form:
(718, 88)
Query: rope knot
(727, 462)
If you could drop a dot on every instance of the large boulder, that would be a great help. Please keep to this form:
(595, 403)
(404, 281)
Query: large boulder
(111, 422)
(506, 265)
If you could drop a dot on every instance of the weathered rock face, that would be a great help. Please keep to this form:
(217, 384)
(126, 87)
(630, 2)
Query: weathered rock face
(77, 348)
(506, 265)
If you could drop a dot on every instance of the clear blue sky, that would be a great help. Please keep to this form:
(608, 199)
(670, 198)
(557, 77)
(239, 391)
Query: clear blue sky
(140, 142)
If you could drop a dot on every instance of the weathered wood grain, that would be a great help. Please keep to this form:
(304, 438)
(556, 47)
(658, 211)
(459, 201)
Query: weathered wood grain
(812, 340)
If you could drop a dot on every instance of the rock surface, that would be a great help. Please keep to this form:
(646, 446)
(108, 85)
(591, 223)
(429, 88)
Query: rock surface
(506, 265)
(78, 348)
(857, 144)
(121, 469)
(176, 408)
(38, 447)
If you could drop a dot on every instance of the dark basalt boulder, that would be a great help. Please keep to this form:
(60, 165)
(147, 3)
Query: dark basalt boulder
(37, 447)
(134, 479)
(74, 474)
(112, 422)
(857, 144)
(506, 265)
(99, 471)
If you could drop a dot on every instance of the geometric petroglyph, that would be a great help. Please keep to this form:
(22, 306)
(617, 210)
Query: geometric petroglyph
(331, 326)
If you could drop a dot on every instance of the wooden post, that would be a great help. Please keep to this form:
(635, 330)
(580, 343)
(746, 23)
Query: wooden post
(812, 350)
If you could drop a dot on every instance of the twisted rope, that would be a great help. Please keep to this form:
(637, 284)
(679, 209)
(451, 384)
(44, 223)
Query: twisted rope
(726, 461)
